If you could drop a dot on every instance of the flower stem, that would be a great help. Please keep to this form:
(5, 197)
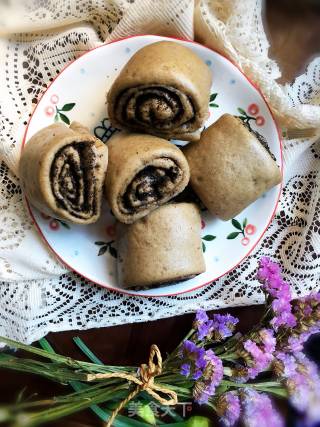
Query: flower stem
(88, 399)
(228, 344)
(265, 385)
(72, 363)
(175, 351)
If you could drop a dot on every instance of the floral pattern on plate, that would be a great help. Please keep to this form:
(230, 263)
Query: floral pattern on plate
(243, 229)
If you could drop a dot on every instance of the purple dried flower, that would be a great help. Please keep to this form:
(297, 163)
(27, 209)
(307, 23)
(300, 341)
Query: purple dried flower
(197, 374)
(202, 366)
(259, 360)
(201, 361)
(307, 367)
(298, 389)
(294, 343)
(301, 378)
(268, 341)
(189, 348)
(214, 375)
(223, 325)
(307, 314)
(201, 316)
(185, 369)
(257, 354)
(193, 356)
(203, 325)
(218, 328)
(283, 318)
(258, 410)
(304, 390)
(205, 330)
(268, 270)
(269, 274)
(284, 365)
(228, 408)
(211, 377)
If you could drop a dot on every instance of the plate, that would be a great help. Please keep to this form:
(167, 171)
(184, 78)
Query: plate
(79, 93)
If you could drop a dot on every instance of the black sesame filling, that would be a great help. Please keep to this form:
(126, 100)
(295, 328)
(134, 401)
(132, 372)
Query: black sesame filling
(260, 138)
(72, 179)
(149, 186)
(163, 107)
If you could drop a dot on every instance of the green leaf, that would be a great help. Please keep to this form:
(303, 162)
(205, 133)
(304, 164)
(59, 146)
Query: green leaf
(21, 394)
(64, 224)
(67, 107)
(198, 421)
(86, 350)
(56, 117)
(145, 412)
(64, 118)
(236, 224)
(203, 247)
(245, 222)
(113, 252)
(46, 345)
(99, 243)
(87, 366)
(209, 237)
(242, 111)
(102, 250)
(123, 421)
(233, 235)
(75, 384)
(52, 371)
(213, 96)
(213, 105)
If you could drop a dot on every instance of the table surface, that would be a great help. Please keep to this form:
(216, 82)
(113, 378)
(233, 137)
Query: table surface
(293, 30)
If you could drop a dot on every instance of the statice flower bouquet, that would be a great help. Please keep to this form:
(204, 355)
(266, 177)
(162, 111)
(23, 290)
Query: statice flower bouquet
(240, 378)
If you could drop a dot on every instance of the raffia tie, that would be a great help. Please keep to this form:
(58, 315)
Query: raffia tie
(145, 381)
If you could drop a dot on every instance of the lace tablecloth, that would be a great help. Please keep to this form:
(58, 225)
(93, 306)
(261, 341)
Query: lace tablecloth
(37, 294)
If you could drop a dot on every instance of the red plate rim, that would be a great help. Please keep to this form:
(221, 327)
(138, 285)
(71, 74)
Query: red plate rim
(122, 291)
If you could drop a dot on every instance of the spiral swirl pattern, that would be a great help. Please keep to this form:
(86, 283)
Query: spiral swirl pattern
(72, 179)
(163, 90)
(62, 171)
(151, 185)
(144, 172)
(164, 109)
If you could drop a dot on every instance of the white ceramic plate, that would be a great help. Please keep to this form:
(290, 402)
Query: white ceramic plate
(79, 93)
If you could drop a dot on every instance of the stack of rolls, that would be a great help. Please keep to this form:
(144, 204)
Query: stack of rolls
(162, 93)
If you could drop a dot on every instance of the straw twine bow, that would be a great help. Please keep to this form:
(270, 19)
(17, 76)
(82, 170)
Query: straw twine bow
(145, 382)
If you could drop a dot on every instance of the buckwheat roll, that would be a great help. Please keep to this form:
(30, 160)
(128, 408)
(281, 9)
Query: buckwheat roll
(163, 247)
(62, 172)
(163, 90)
(144, 172)
(230, 168)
